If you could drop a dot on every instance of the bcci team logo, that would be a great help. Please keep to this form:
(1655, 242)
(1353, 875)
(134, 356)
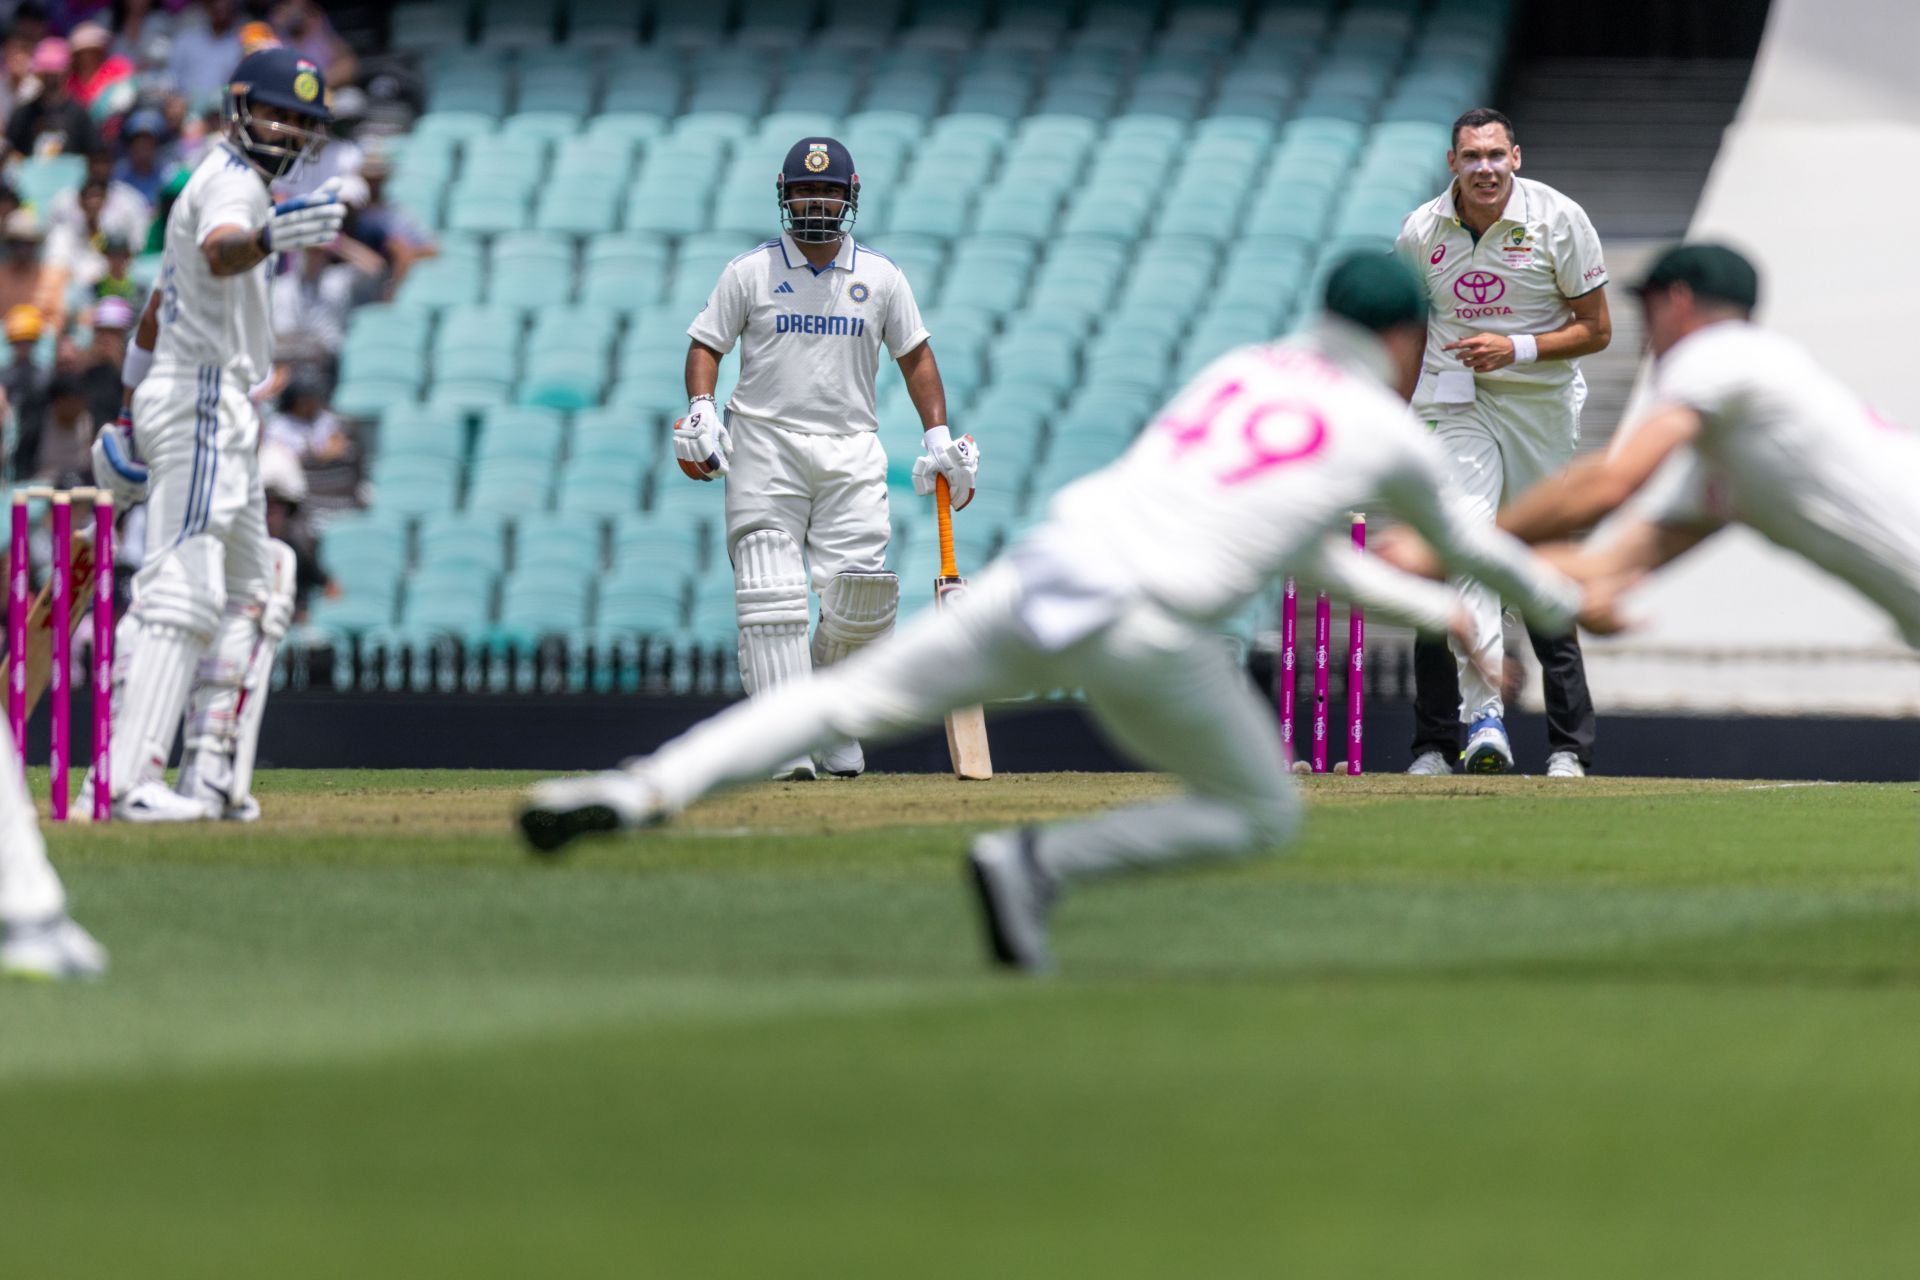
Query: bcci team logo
(1478, 288)
(306, 86)
(817, 159)
(858, 292)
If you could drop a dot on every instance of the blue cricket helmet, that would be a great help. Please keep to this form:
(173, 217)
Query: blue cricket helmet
(813, 220)
(289, 81)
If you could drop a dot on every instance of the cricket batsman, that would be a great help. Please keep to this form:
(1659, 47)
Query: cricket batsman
(37, 937)
(806, 500)
(1517, 282)
(1247, 475)
(1744, 427)
(214, 595)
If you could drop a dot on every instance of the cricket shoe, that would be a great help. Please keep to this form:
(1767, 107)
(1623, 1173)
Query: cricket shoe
(200, 788)
(52, 950)
(152, 800)
(1488, 750)
(562, 810)
(1430, 764)
(801, 770)
(1016, 896)
(844, 759)
(1565, 764)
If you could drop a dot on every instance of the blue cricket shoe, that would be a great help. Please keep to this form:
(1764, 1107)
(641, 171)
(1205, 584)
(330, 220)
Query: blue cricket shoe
(1488, 750)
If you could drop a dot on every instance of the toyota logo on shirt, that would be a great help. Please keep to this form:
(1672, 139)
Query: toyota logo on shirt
(1479, 288)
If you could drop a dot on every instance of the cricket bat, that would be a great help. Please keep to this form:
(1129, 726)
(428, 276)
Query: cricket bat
(966, 727)
(40, 620)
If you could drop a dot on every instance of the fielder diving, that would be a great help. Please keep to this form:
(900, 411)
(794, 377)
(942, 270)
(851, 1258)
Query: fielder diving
(214, 597)
(1745, 427)
(1249, 474)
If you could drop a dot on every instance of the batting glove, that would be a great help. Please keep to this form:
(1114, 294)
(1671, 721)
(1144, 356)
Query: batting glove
(116, 464)
(957, 460)
(305, 221)
(701, 441)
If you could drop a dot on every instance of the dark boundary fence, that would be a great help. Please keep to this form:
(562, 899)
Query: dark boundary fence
(571, 731)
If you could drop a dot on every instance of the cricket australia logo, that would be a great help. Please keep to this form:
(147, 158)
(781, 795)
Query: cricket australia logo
(1480, 290)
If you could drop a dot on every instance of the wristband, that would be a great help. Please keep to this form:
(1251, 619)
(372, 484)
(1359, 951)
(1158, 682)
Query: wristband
(936, 438)
(696, 400)
(1526, 348)
(137, 364)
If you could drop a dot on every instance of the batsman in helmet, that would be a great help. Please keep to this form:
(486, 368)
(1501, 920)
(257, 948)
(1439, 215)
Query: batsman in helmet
(798, 444)
(214, 596)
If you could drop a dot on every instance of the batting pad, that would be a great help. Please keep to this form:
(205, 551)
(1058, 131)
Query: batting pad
(770, 601)
(855, 610)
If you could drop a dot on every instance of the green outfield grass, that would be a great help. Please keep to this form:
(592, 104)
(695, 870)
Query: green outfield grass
(1477, 1029)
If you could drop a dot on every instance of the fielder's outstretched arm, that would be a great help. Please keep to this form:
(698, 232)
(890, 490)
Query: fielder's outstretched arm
(1592, 488)
(1422, 498)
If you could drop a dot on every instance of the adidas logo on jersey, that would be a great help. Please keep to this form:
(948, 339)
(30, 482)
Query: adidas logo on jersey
(785, 287)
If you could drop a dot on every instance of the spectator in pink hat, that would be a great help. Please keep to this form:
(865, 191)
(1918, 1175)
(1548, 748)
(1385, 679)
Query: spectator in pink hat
(52, 123)
(96, 67)
(100, 366)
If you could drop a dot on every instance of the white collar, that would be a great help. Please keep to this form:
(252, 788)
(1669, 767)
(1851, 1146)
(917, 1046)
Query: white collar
(795, 259)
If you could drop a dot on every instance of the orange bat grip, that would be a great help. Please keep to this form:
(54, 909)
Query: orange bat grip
(943, 513)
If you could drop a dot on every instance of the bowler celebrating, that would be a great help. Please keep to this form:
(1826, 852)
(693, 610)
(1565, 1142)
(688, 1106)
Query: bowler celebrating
(1243, 478)
(806, 476)
(1518, 287)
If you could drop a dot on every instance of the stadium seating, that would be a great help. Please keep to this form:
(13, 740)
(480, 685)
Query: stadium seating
(1091, 201)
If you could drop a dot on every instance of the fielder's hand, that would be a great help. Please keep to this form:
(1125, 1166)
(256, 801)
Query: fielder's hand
(957, 460)
(306, 221)
(701, 441)
(116, 464)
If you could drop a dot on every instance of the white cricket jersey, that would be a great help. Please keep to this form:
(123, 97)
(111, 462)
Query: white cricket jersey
(207, 319)
(1517, 278)
(1242, 477)
(1788, 449)
(809, 340)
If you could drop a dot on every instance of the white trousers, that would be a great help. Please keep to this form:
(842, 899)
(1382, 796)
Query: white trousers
(206, 513)
(29, 889)
(827, 493)
(1168, 695)
(1497, 448)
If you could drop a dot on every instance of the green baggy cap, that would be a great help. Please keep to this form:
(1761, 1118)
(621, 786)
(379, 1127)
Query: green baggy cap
(1710, 270)
(1376, 291)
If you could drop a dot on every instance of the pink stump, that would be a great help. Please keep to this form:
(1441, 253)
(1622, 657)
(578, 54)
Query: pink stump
(59, 695)
(102, 656)
(1356, 664)
(18, 603)
(1322, 643)
(1289, 664)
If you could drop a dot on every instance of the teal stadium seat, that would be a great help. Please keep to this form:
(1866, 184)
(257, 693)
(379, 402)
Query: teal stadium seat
(508, 486)
(521, 433)
(417, 431)
(558, 539)
(453, 542)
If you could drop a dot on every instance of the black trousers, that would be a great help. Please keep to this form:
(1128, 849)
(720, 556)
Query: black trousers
(1436, 697)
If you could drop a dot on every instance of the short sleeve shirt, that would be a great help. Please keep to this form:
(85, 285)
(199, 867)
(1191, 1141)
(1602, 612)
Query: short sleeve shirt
(207, 319)
(809, 339)
(1517, 278)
